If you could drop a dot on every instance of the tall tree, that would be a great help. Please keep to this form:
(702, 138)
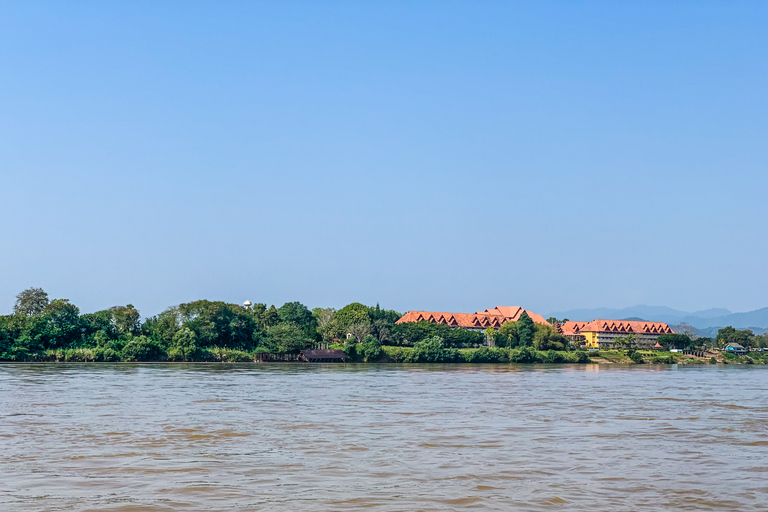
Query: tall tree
(31, 302)
(526, 330)
(298, 314)
(350, 314)
(730, 335)
(360, 330)
(490, 336)
(508, 335)
(183, 345)
(288, 338)
(324, 319)
(127, 319)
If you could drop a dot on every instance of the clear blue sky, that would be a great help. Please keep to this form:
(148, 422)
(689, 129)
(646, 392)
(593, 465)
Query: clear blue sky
(424, 155)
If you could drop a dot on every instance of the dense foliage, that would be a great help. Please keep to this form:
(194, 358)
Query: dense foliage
(54, 330)
(41, 329)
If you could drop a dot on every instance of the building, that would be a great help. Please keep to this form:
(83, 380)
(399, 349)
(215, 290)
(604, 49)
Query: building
(603, 333)
(735, 348)
(478, 321)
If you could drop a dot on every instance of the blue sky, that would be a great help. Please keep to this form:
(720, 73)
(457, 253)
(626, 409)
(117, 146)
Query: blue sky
(424, 155)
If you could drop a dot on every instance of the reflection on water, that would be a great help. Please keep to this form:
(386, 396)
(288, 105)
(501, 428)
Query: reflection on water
(193, 437)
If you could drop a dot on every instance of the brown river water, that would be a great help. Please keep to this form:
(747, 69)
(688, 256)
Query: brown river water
(209, 437)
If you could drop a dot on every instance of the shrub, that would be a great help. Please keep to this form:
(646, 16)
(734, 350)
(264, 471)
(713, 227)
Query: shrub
(225, 355)
(550, 356)
(142, 348)
(106, 354)
(581, 357)
(430, 350)
(183, 346)
(370, 349)
(350, 349)
(522, 355)
(663, 359)
(483, 355)
(288, 338)
(712, 360)
(397, 354)
(636, 357)
(80, 355)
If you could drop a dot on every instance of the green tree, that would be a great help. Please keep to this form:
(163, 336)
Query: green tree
(127, 319)
(547, 338)
(370, 349)
(387, 316)
(430, 350)
(142, 348)
(490, 336)
(271, 317)
(507, 335)
(382, 329)
(526, 330)
(31, 302)
(324, 320)
(760, 341)
(412, 332)
(288, 338)
(360, 330)
(58, 326)
(9, 332)
(164, 326)
(677, 341)
(730, 335)
(350, 314)
(298, 314)
(183, 345)
(220, 324)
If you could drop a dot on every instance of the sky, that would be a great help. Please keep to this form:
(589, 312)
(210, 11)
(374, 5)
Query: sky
(430, 155)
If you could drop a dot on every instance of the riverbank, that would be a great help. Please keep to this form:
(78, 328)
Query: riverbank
(396, 354)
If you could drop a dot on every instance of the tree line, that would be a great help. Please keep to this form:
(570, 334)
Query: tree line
(40, 329)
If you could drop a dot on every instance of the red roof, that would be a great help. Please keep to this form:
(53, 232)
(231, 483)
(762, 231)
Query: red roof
(480, 320)
(657, 345)
(616, 326)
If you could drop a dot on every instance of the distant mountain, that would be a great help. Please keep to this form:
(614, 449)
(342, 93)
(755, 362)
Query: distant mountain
(656, 313)
(711, 313)
(701, 320)
(711, 332)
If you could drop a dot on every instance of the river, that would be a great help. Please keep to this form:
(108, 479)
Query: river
(286, 437)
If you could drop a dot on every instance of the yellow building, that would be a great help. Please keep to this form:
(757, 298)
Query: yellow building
(603, 333)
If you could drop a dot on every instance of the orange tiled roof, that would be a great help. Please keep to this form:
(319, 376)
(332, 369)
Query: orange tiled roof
(480, 320)
(616, 326)
(571, 328)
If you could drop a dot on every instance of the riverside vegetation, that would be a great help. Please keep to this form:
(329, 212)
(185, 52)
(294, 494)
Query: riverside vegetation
(55, 330)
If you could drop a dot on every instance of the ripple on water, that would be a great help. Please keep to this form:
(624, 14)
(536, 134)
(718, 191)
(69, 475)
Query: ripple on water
(387, 438)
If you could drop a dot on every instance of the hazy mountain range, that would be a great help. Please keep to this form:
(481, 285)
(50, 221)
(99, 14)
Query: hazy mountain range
(706, 322)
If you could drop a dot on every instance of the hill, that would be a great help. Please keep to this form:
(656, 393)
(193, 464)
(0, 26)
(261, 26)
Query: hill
(702, 320)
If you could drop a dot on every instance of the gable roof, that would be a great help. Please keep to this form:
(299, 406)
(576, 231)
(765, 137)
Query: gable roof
(495, 317)
(616, 326)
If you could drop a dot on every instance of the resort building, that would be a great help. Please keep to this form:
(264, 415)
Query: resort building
(603, 333)
(478, 321)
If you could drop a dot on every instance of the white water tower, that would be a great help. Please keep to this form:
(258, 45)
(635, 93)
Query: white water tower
(247, 304)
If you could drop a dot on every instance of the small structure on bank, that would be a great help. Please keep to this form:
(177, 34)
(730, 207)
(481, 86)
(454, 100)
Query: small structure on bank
(305, 356)
(323, 356)
(735, 348)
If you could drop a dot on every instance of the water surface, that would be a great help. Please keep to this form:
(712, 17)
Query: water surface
(201, 437)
